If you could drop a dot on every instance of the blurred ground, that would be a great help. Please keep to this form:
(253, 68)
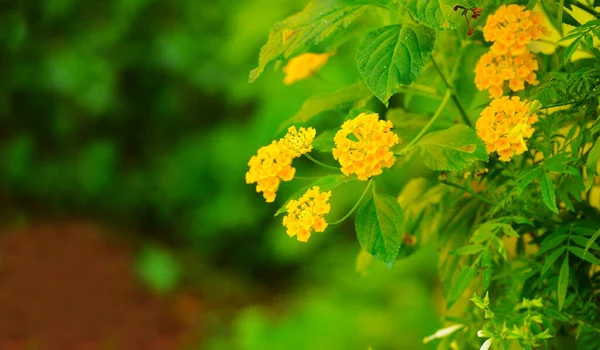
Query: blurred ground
(65, 285)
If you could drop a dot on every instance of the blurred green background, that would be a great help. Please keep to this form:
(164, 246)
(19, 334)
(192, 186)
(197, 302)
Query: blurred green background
(137, 114)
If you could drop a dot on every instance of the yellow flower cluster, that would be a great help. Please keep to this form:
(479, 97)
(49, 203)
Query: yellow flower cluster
(298, 142)
(368, 149)
(303, 66)
(491, 72)
(510, 29)
(505, 125)
(273, 163)
(306, 214)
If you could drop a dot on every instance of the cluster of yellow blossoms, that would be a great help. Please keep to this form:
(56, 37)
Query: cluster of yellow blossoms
(306, 214)
(303, 66)
(273, 163)
(510, 29)
(504, 125)
(369, 152)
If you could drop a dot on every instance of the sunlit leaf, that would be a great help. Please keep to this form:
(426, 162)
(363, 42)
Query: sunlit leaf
(437, 14)
(452, 149)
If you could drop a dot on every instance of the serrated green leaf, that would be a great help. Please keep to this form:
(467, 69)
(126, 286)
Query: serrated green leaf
(340, 100)
(548, 195)
(437, 14)
(379, 227)
(325, 183)
(526, 178)
(468, 249)
(563, 282)
(592, 259)
(324, 141)
(392, 56)
(486, 265)
(452, 149)
(318, 20)
(461, 283)
(550, 259)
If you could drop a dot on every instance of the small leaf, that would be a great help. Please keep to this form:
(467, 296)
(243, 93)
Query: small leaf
(526, 178)
(325, 183)
(437, 14)
(486, 265)
(550, 259)
(461, 283)
(392, 56)
(587, 257)
(340, 100)
(563, 282)
(468, 249)
(379, 227)
(452, 149)
(548, 195)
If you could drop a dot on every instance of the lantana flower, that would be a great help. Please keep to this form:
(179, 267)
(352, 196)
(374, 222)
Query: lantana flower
(505, 125)
(271, 165)
(511, 28)
(305, 214)
(298, 142)
(303, 66)
(494, 73)
(367, 150)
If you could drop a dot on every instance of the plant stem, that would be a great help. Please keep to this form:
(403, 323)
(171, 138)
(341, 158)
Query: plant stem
(355, 205)
(320, 163)
(463, 114)
(468, 190)
(585, 8)
(426, 127)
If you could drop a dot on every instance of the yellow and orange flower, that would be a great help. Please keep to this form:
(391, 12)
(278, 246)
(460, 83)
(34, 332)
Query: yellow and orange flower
(495, 73)
(368, 149)
(298, 142)
(271, 165)
(303, 66)
(305, 214)
(511, 28)
(505, 125)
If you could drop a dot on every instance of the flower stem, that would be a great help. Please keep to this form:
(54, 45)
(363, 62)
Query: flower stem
(463, 114)
(468, 190)
(426, 127)
(355, 205)
(320, 163)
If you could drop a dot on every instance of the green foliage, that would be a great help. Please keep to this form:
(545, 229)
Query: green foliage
(157, 268)
(392, 56)
(437, 14)
(455, 148)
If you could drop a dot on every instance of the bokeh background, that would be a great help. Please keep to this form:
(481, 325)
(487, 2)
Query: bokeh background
(125, 131)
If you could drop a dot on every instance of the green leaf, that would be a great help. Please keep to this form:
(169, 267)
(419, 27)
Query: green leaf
(461, 283)
(509, 231)
(552, 242)
(550, 259)
(583, 241)
(452, 149)
(557, 163)
(526, 178)
(486, 265)
(379, 227)
(587, 257)
(325, 183)
(563, 282)
(593, 158)
(548, 195)
(591, 241)
(468, 249)
(437, 14)
(157, 267)
(318, 20)
(392, 56)
(571, 49)
(324, 141)
(340, 100)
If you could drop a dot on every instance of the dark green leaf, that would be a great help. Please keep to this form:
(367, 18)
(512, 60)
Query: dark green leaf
(392, 56)
(379, 227)
(592, 259)
(526, 178)
(551, 242)
(452, 149)
(563, 282)
(325, 183)
(571, 49)
(591, 241)
(550, 259)
(548, 195)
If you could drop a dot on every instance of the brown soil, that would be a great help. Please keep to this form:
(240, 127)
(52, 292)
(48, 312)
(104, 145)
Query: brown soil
(67, 286)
